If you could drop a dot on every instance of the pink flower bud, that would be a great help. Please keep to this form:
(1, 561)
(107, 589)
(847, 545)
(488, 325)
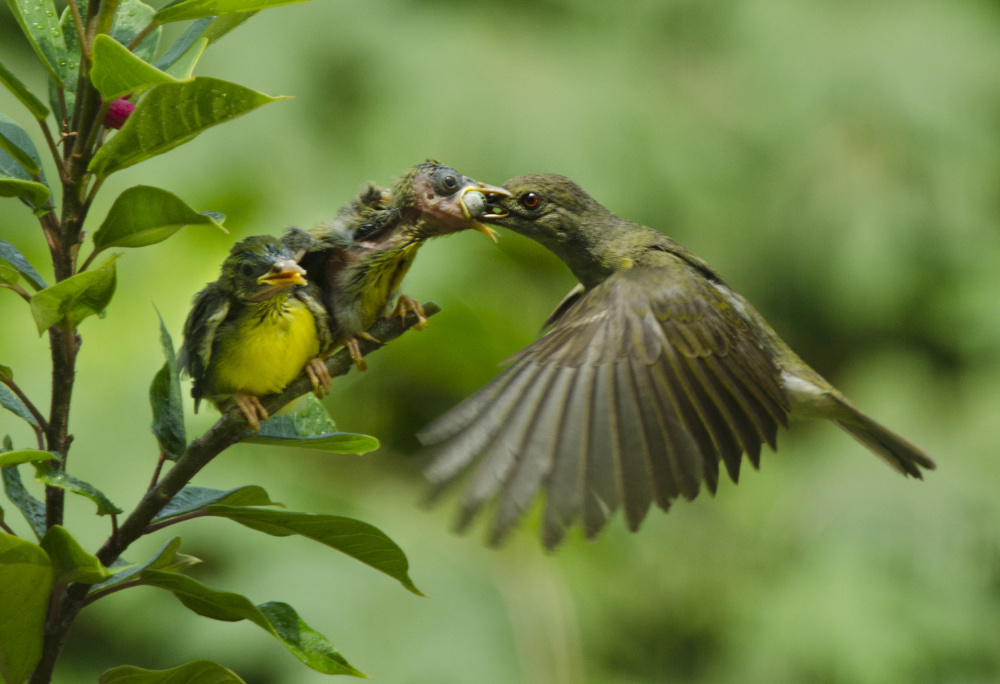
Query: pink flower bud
(118, 112)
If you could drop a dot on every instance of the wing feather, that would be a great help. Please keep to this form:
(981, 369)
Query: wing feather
(644, 384)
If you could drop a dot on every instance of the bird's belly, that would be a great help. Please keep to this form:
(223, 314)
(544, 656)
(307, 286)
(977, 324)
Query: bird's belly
(262, 357)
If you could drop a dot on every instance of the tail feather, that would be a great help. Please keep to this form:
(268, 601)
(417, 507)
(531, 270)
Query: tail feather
(905, 457)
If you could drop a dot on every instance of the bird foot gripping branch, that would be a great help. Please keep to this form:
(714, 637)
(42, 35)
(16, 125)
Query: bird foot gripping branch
(407, 304)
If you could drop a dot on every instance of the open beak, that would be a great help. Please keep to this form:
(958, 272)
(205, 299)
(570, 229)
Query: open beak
(284, 273)
(479, 199)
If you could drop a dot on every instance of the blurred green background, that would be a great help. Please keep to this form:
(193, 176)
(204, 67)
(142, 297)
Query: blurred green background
(837, 162)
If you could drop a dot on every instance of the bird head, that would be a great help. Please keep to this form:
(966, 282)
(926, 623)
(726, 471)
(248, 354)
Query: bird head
(445, 200)
(548, 208)
(557, 213)
(259, 268)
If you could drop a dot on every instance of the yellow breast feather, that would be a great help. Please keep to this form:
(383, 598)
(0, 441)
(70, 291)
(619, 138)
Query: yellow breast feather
(263, 351)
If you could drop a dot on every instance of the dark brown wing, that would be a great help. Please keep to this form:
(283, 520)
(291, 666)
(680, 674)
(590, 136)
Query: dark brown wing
(642, 387)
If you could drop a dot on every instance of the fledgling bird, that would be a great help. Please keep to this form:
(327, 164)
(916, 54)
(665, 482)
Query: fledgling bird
(653, 372)
(253, 330)
(359, 259)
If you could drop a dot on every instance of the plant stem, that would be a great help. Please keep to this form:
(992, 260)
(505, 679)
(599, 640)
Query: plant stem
(88, 261)
(228, 430)
(18, 289)
(173, 521)
(56, 157)
(3, 526)
(142, 35)
(156, 472)
(80, 30)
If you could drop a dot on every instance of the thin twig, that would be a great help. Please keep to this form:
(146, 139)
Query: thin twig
(98, 125)
(27, 402)
(61, 97)
(149, 529)
(105, 16)
(18, 289)
(107, 592)
(142, 35)
(3, 526)
(56, 157)
(156, 472)
(80, 32)
(98, 182)
(89, 260)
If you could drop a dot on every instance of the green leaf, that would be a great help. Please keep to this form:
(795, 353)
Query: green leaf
(8, 276)
(9, 458)
(357, 539)
(70, 562)
(31, 508)
(21, 92)
(210, 28)
(75, 298)
(70, 72)
(131, 17)
(336, 443)
(279, 619)
(171, 114)
(25, 586)
(196, 672)
(183, 68)
(20, 156)
(166, 559)
(117, 72)
(19, 162)
(53, 477)
(194, 9)
(12, 403)
(40, 23)
(145, 215)
(34, 194)
(191, 499)
(310, 428)
(10, 256)
(167, 402)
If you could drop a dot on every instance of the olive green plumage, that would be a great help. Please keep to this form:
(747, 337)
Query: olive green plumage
(653, 373)
(359, 259)
(253, 330)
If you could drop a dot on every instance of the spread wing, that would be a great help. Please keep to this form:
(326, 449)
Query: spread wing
(211, 306)
(641, 388)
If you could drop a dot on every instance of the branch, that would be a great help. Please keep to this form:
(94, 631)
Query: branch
(227, 431)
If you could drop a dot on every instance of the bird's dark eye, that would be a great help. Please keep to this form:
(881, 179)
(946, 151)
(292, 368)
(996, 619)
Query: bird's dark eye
(450, 182)
(531, 200)
(246, 269)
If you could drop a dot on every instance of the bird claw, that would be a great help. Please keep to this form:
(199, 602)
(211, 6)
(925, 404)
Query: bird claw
(252, 409)
(319, 376)
(404, 305)
(354, 349)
